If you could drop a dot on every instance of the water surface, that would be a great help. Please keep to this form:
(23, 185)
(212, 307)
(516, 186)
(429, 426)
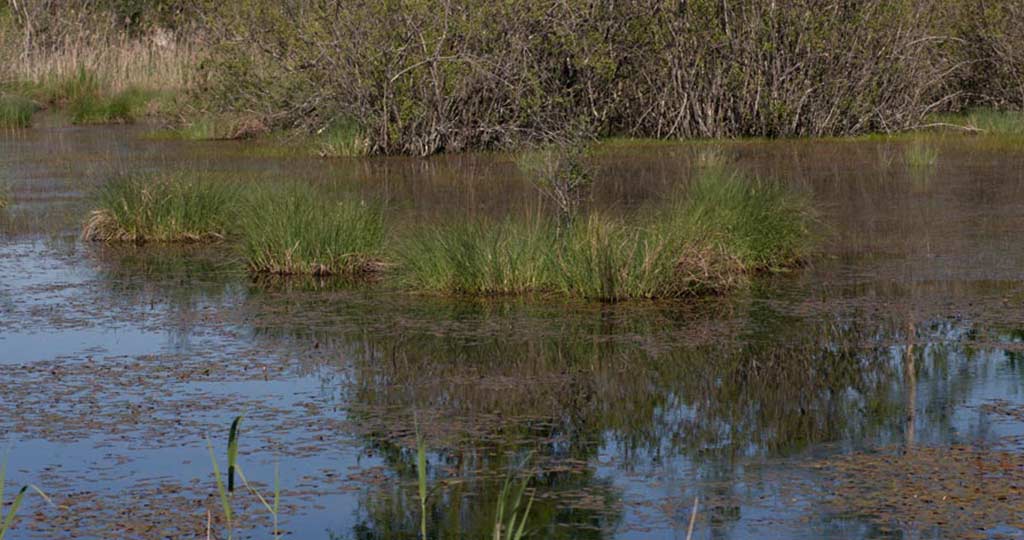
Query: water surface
(825, 402)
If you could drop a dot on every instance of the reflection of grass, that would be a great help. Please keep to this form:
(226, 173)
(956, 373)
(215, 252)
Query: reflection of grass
(175, 208)
(920, 154)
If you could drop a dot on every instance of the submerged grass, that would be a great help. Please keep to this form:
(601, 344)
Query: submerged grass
(723, 229)
(920, 154)
(171, 208)
(293, 229)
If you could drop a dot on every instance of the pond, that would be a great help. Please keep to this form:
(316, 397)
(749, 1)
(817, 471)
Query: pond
(874, 393)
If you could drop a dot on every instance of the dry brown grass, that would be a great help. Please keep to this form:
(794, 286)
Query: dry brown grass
(155, 62)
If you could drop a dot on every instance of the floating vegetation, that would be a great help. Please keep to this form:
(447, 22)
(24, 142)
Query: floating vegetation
(961, 491)
(162, 208)
(295, 230)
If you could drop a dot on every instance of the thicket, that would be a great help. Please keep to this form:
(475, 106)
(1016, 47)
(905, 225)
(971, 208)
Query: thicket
(424, 76)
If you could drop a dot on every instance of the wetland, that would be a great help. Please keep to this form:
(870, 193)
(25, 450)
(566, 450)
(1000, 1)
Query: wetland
(872, 391)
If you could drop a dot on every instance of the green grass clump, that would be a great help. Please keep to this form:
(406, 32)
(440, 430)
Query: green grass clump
(16, 111)
(171, 208)
(86, 97)
(296, 230)
(344, 139)
(604, 258)
(723, 229)
(763, 224)
(479, 257)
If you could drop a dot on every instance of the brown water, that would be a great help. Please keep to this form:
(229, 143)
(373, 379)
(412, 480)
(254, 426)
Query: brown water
(874, 394)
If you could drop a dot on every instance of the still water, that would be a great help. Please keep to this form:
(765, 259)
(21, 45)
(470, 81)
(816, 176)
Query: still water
(875, 393)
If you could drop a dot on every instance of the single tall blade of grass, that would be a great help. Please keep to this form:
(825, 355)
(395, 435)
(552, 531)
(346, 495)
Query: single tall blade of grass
(225, 501)
(7, 522)
(233, 434)
(421, 476)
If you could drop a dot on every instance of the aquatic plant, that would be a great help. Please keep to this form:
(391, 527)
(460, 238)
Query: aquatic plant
(920, 154)
(717, 233)
(295, 229)
(7, 522)
(710, 155)
(180, 207)
(226, 491)
(207, 127)
(342, 139)
(509, 521)
(604, 258)
(16, 111)
(478, 257)
(762, 224)
(421, 480)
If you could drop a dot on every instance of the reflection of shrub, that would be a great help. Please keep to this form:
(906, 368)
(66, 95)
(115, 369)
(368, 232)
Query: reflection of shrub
(562, 174)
